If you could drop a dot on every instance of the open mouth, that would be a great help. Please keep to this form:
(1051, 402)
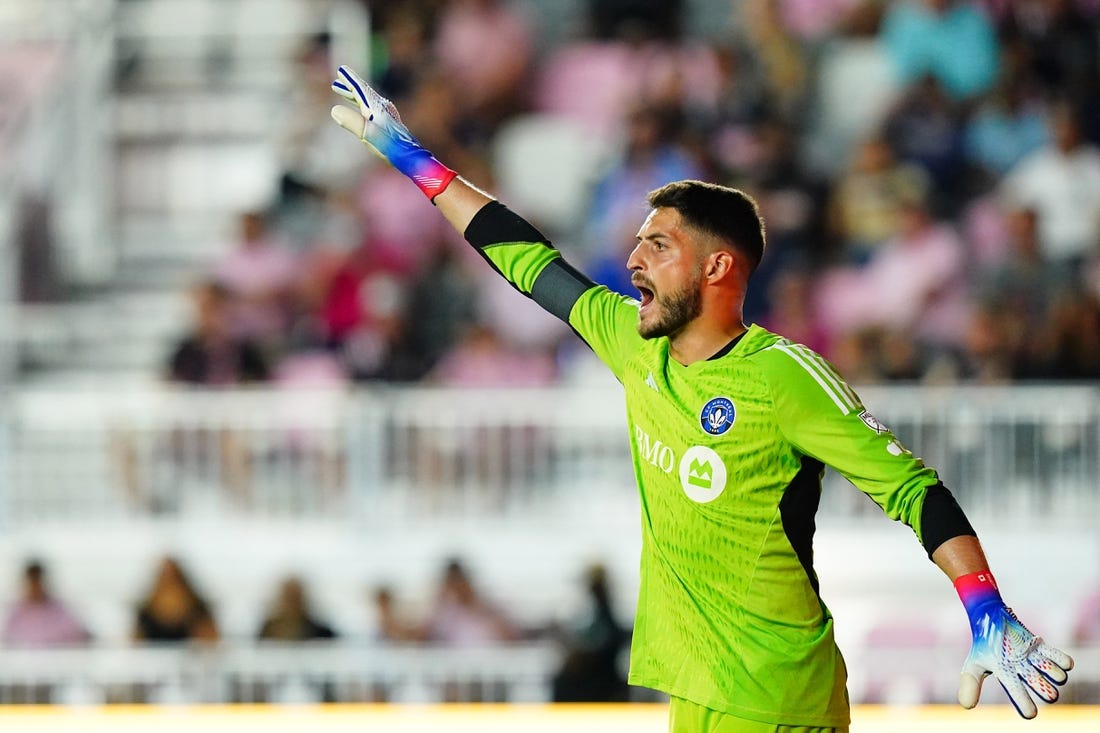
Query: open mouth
(645, 293)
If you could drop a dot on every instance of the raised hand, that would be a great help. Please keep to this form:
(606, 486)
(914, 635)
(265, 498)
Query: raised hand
(377, 123)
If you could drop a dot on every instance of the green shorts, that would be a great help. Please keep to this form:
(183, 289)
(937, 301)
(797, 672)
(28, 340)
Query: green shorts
(687, 717)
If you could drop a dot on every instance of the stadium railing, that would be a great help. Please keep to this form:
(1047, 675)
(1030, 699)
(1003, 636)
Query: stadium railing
(313, 672)
(303, 672)
(388, 462)
(392, 455)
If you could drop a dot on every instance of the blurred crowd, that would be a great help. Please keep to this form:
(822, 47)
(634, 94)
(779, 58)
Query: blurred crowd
(928, 171)
(173, 610)
(460, 612)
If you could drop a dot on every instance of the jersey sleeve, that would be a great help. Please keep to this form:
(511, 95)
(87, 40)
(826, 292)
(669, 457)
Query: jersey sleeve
(608, 323)
(523, 256)
(822, 417)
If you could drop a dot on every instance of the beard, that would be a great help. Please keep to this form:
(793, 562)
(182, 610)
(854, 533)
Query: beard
(675, 311)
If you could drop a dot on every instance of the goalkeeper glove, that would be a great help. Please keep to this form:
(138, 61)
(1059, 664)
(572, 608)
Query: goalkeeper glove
(378, 124)
(1004, 647)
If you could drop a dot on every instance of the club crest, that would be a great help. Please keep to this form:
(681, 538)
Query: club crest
(717, 415)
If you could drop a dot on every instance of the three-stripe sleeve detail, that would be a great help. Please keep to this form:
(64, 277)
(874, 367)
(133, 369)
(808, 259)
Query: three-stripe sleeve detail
(824, 374)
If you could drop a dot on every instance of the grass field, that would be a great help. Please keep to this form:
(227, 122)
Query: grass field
(500, 719)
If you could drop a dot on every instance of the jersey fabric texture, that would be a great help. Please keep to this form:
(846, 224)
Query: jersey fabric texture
(728, 456)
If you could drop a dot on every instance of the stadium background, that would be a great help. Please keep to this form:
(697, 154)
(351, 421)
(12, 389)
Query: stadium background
(387, 405)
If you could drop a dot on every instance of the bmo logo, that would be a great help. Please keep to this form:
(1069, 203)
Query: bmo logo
(702, 474)
(653, 451)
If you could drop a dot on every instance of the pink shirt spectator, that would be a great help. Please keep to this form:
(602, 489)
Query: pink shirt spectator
(483, 360)
(518, 322)
(595, 84)
(311, 369)
(400, 219)
(462, 617)
(257, 268)
(913, 282)
(41, 624)
(259, 272)
(793, 315)
(485, 45)
(1086, 627)
(984, 226)
(813, 19)
(458, 627)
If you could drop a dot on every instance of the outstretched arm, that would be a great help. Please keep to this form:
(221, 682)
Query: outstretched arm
(824, 418)
(606, 321)
(518, 251)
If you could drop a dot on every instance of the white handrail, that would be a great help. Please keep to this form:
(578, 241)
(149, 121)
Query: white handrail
(279, 672)
(341, 671)
(396, 454)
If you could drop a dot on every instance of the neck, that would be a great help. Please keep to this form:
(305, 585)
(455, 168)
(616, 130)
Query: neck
(699, 341)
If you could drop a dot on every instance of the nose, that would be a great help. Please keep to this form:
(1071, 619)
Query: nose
(634, 260)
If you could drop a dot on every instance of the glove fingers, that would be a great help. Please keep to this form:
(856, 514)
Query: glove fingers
(1019, 696)
(343, 90)
(1047, 667)
(350, 79)
(1039, 683)
(1045, 655)
(970, 689)
(357, 86)
(349, 119)
(970, 684)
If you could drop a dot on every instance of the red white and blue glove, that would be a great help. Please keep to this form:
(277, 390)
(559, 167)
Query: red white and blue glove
(1023, 663)
(377, 123)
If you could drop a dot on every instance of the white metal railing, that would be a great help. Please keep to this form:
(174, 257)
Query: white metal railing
(88, 455)
(1006, 452)
(278, 672)
(338, 671)
(389, 454)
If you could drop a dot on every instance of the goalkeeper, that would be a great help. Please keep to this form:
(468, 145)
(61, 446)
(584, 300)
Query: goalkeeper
(731, 428)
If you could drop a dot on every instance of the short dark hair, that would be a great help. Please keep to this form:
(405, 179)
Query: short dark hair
(727, 213)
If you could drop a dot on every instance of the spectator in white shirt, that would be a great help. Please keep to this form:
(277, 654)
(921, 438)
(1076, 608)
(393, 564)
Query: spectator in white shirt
(1061, 183)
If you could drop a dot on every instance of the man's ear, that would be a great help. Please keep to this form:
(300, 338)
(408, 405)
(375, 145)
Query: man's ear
(720, 264)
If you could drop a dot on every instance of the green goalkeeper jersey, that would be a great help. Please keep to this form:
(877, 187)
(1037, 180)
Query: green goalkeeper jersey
(728, 457)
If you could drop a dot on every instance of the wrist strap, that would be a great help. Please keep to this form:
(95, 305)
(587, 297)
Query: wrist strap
(426, 172)
(977, 589)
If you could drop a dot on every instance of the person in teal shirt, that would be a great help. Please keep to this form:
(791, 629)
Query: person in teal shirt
(953, 41)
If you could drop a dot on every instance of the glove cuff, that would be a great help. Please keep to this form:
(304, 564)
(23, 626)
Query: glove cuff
(977, 589)
(426, 172)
